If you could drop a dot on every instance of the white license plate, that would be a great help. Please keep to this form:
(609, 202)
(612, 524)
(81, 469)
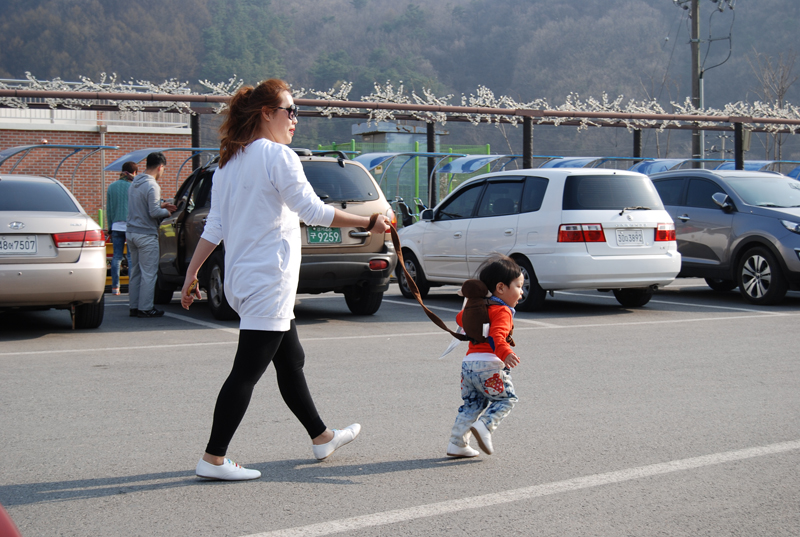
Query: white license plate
(324, 235)
(630, 237)
(18, 244)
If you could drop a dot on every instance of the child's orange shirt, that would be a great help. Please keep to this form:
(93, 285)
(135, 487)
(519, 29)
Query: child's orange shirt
(501, 322)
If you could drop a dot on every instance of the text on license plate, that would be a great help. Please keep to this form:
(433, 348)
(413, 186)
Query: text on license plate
(324, 235)
(18, 244)
(630, 237)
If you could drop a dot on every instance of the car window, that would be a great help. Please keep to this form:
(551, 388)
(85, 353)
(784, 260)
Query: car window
(501, 198)
(17, 195)
(333, 182)
(699, 193)
(767, 191)
(201, 193)
(532, 196)
(670, 190)
(461, 205)
(597, 192)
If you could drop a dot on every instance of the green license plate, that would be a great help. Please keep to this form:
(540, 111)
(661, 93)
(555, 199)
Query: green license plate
(324, 235)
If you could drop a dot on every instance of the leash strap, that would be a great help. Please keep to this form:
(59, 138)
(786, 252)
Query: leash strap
(412, 285)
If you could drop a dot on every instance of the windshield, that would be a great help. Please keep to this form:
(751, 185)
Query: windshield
(34, 195)
(333, 182)
(598, 192)
(767, 191)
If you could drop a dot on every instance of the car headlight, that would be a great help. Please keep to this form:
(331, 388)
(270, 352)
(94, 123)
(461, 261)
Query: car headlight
(794, 227)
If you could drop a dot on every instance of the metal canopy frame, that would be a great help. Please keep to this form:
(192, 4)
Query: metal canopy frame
(140, 154)
(373, 160)
(26, 149)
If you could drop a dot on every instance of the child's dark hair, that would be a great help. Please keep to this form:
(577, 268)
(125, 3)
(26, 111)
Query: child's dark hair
(498, 268)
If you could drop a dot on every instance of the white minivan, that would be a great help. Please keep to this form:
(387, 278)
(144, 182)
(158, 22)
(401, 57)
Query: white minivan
(579, 228)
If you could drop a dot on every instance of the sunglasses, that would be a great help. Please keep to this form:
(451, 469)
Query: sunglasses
(292, 110)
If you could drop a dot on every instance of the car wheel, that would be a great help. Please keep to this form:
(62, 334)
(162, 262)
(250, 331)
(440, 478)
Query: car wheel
(533, 295)
(361, 301)
(721, 285)
(220, 308)
(633, 298)
(761, 280)
(90, 315)
(415, 270)
(163, 293)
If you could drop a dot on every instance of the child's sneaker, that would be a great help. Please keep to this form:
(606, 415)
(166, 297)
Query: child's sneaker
(461, 452)
(483, 436)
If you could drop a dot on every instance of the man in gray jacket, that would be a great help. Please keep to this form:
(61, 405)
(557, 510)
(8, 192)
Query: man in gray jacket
(145, 213)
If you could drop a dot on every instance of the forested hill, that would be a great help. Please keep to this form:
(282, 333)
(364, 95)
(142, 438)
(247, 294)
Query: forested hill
(526, 49)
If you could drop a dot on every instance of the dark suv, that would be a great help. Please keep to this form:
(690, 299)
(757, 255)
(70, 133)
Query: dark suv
(736, 229)
(351, 261)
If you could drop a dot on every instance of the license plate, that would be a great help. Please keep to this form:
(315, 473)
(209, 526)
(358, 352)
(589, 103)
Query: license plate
(18, 244)
(324, 235)
(630, 237)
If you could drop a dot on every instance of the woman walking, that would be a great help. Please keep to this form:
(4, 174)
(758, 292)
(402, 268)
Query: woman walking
(259, 194)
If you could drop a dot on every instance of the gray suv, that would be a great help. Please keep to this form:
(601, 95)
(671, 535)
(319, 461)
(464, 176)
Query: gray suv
(736, 229)
(351, 261)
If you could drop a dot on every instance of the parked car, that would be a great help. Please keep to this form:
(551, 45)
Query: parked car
(52, 254)
(567, 229)
(736, 229)
(350, 261)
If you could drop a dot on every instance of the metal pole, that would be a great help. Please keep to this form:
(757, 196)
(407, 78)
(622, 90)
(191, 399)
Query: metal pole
(738, 145)
(697, 140)
(527, 142)
(432, 186)
(637, 143)
(195, 124)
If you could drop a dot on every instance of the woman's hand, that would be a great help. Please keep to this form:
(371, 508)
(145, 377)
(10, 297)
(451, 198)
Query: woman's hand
(189, 291)
(382, 224)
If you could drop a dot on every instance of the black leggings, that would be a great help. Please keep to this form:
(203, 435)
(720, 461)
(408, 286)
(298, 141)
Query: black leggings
(257, 348)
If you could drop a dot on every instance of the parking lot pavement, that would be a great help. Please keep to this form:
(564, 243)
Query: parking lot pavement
(679, 418)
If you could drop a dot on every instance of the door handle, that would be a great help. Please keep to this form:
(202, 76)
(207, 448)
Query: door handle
(457, 235)
(508, 232)
(684, 217)
(360, 234)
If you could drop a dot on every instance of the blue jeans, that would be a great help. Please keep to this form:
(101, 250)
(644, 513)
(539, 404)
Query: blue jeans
(488, 395)
(143, 270)
(118, 240)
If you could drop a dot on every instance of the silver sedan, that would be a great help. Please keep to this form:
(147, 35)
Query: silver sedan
(52, 254)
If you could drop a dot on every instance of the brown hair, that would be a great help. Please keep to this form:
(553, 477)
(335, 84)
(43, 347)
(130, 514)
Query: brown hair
(243, 115)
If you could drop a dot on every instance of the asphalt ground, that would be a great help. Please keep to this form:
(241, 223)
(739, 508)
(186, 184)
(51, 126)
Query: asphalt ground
(679, 418)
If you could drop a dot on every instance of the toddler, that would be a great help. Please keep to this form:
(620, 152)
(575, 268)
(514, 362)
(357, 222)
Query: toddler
(485, 372)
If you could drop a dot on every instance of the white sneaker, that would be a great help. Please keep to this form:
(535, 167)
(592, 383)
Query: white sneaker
(227, 471)
(461, 452)
(483, 436)
(340, 438)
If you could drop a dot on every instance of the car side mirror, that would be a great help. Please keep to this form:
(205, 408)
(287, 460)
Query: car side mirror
(427, 215)
(723, 200)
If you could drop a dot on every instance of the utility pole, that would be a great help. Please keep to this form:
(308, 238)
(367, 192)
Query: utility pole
(697, 82)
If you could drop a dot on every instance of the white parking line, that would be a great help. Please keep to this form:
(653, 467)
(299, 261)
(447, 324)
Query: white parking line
(548, 489)
(114, 349)
(656, 301)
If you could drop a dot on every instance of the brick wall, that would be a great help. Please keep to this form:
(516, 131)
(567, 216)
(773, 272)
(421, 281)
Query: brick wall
(88, 185)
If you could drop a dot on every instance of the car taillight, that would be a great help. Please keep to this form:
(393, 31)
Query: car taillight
(393, 218)
(581, 233)
(78, 239)
(665, 232)
(378, 264)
